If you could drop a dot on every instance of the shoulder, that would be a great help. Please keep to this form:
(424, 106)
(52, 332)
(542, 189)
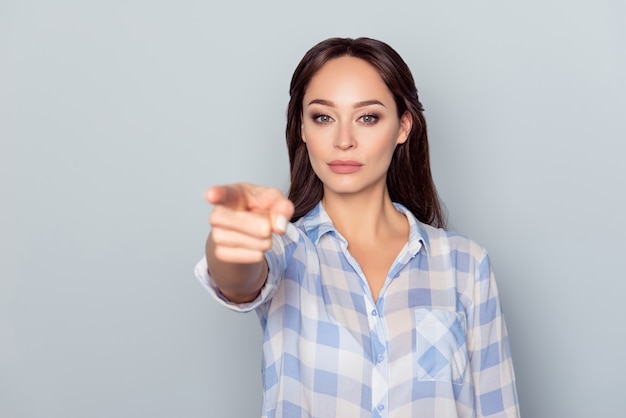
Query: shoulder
(439, 241)
(455, 241)
(463, 253)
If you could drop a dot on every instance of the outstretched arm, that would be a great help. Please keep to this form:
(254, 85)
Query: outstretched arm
(242, 222)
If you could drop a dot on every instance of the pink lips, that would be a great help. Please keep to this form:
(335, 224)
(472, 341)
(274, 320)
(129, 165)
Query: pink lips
(344, 166)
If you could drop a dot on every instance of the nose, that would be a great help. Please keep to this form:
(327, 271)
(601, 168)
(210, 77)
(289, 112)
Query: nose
(344, 139)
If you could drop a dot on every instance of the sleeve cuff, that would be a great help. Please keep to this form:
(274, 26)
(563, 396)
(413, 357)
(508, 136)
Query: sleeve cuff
(201, 272)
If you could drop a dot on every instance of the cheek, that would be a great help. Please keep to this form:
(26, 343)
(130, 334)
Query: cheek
(310, 130)
(316, 139)
(316, 159)
(306, 133)
(380, 143)
(313, 152)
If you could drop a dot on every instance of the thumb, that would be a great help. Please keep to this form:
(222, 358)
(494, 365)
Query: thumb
(281, 211)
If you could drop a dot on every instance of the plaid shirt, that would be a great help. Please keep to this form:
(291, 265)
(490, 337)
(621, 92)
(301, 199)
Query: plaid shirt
(434, 344)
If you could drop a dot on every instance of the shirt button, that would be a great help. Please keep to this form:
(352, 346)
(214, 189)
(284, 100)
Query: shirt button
(380, 358)
(381, 407)
(374, 313)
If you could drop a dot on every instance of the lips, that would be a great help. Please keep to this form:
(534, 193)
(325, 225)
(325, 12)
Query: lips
(344, 166)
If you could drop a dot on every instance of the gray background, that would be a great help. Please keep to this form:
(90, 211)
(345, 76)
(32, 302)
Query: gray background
(116, 116)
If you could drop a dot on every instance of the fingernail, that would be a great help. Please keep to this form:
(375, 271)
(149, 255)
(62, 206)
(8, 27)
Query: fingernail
(280, 223)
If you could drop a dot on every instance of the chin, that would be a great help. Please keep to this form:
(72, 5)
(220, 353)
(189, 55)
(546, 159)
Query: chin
(351, 184)
(348, 189)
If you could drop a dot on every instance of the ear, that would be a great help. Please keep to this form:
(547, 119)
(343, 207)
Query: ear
(406, 123)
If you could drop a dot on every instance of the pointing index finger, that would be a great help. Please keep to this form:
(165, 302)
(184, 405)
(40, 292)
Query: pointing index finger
(229, 195)
(258, 199)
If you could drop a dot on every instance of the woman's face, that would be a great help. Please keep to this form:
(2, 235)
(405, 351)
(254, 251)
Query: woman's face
(351, 127)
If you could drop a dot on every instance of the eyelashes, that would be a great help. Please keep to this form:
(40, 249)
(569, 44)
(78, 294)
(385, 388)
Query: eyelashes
(321, 118)
(367, 119)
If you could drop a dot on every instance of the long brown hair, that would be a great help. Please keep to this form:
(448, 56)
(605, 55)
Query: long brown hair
(409, 179)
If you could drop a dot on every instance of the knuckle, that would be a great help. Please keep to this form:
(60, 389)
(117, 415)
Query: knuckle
(222, 254)
(257, 256)
(265, 228)
(218, 236)
(276, 193)
(266, 244)
(215, 217)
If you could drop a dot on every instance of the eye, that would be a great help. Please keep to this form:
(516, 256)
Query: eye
(322, 118)
(369, 119)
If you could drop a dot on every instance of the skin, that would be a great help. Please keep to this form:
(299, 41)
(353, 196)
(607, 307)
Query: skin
(351, 128)
(350, 114)
(242, 222)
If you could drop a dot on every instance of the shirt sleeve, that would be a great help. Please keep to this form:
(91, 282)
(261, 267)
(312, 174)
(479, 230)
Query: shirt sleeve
(275, 258)
(489, 350)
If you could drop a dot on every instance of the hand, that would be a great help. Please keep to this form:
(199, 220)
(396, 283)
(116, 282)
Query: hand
(243, 220)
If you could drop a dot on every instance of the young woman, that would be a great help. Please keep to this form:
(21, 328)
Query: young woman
(368, 307)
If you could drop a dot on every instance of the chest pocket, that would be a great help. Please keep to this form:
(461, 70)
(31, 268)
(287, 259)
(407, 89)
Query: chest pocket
(441, 345)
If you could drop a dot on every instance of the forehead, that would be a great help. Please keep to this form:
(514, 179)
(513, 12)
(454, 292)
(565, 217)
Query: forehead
(348, 79)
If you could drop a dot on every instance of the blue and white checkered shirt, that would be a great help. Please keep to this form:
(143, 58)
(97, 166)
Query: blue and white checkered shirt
(434, 344)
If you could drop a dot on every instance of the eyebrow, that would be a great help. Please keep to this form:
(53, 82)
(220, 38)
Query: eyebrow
(354, 106)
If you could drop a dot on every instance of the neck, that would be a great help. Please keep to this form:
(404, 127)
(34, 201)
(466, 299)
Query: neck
(364, 217)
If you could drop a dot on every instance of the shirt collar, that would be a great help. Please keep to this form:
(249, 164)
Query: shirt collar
(317, 223)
